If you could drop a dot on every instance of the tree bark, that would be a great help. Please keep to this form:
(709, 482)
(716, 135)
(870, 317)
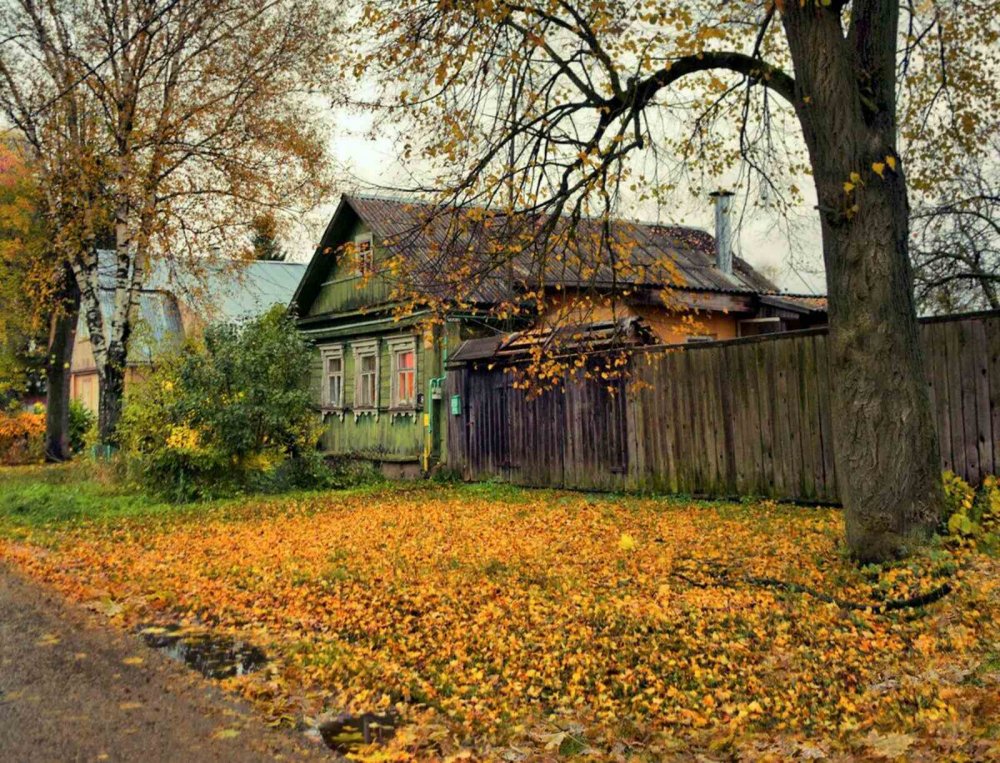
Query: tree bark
(111, 391)
(885, 442)
(62, 337)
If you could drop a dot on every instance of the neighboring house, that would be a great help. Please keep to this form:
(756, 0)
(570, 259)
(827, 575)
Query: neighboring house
(176, 303)
(378, 372)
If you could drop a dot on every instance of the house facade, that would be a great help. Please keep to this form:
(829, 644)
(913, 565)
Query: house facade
(377, 377)
(378, 370)
(176, 304)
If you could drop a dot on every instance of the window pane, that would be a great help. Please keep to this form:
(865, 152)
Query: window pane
(368, 364)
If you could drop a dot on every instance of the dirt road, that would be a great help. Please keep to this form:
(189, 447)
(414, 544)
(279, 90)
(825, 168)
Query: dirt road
(71, 689)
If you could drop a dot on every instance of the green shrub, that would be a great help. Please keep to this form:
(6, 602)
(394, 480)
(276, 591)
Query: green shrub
(81, 421)
(226, 414)
(972, 515)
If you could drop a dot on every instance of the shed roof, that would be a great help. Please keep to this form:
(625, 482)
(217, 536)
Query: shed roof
(593, 336)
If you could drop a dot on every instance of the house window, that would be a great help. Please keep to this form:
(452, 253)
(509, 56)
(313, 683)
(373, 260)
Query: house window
(366, 375)
(365, 252)
(403, 351)
(333, 377)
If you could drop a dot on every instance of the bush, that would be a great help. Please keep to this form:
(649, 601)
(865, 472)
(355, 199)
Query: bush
(22, 438)
(81, 421)
(972, 515)
(226, 414)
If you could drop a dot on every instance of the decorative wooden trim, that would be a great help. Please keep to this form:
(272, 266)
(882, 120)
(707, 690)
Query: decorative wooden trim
(365, 348)
(397, 344)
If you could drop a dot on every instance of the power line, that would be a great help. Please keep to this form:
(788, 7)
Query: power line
(92, 70)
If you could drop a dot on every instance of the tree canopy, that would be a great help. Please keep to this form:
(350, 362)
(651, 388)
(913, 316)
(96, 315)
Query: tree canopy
(171, 125)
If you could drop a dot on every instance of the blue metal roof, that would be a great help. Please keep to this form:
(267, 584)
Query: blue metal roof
(216, 290)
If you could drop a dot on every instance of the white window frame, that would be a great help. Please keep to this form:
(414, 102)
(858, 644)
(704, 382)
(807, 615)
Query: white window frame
(329, 353)
(366, 349)
(398, 345)
(365, 260)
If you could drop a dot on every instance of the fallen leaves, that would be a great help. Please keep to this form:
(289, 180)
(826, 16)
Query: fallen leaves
(889, 746)
(544, 620)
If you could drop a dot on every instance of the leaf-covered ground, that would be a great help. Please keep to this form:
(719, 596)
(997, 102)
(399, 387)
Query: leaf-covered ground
(517, 625)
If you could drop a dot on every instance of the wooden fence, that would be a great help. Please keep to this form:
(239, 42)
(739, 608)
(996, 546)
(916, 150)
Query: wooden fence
(739, 417)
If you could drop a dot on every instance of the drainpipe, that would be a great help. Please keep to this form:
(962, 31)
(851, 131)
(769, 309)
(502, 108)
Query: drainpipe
(434, 384)
(723, 231)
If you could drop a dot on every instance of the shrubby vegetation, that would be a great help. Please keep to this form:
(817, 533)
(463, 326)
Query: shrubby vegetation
(22, 433)
(22, 437)
(82, 423)
(227, 413)
(973, 516)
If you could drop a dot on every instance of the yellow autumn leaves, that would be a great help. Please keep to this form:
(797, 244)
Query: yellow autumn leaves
(491, 618)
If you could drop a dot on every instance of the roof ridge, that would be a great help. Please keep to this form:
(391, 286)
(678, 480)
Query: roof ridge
(622, 219)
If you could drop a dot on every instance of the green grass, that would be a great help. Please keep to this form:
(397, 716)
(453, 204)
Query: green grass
(36, 497)
(49, 498)
(39, 500)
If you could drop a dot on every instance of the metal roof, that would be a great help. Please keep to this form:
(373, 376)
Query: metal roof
(214, 289)
(588, 337)
(218, 289)
(439, 239)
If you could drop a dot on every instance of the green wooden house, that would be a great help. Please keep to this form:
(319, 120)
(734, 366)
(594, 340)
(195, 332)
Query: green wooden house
(378, 373)
(378, 377)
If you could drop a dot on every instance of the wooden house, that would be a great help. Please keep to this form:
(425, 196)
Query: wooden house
(379, 372)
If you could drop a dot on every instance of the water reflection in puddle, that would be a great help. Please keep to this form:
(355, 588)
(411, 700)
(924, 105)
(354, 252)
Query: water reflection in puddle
(211, 655)
(347, 733)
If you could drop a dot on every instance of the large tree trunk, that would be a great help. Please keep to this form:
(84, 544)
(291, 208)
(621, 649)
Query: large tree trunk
(885, 443)
(886, 450)
(57, 372)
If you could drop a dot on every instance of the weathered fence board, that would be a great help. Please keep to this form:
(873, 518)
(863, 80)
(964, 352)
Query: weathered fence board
(743, 417)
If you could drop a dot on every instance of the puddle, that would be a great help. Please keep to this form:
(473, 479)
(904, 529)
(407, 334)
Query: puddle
(212, 656)
(347, 733)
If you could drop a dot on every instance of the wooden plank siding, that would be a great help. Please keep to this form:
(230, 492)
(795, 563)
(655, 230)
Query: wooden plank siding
(740, 417)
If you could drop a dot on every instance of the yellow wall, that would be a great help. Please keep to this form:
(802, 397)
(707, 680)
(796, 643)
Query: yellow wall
(83, 388)
(669, 325)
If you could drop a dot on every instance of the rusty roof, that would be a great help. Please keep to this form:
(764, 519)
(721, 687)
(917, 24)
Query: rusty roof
(452, 254)
(418, 229)
(588, 337)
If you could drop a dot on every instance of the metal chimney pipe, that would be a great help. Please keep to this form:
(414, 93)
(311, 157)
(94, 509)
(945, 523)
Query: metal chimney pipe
(723, 231)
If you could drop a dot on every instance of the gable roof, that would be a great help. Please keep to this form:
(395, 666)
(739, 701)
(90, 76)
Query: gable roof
(220, 290)
(425, 236)
(215, 290)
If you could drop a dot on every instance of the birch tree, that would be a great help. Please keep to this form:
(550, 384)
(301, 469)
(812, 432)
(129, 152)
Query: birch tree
(181, 120)
(560, 107)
